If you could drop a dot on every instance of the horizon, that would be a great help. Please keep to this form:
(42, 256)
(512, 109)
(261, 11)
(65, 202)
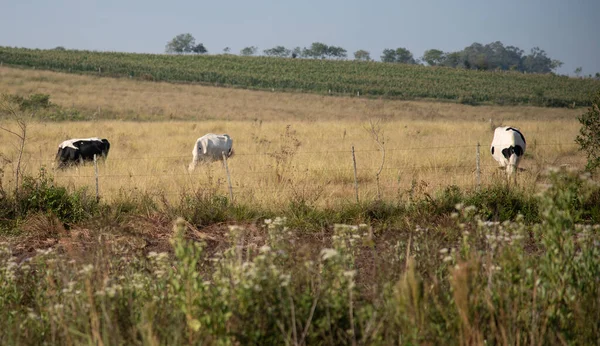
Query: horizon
(565, 32)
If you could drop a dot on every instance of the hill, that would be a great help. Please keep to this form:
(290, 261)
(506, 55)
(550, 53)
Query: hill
(371, 79)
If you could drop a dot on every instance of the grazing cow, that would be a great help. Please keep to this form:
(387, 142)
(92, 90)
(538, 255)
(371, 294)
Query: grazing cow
(508, 147)
(78, 150)
(211, 147)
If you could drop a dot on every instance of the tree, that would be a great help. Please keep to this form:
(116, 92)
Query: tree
(404, 56)
(199, 49)
(474, 56)
(578, 71)
(296, 52)
(226, 50)
(598, 75)
(589, 134)
(362, 55)
(388, 55)
(279, 51)
(59, 48)
(434, 57)
(537, 61)
(513, 58)
(336, 52)
(400, 55)
(248, 51)
(182, 43)
(452, 59)
(317, 50)
(554, 64)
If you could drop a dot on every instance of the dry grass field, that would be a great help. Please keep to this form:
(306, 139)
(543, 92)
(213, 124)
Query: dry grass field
(287, 146)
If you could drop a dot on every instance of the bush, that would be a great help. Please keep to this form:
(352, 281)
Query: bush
(40, 194)
(589, 134)
(500, 202)
(33, 102)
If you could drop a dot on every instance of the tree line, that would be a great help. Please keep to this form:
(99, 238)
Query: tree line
(492, 56)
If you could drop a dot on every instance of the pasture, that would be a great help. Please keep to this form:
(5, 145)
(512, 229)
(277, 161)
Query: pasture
(287, 145)
(278, 161)
(165, 258)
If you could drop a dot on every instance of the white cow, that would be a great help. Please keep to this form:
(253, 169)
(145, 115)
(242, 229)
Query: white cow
(211, 147)
(508, 147)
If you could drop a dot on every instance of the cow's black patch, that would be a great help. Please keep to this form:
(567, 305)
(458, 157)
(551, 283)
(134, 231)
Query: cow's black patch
(517, 150)
(517, 131)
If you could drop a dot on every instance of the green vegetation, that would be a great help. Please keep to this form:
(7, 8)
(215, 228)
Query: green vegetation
(366, 78)
(589, 137)
(427, 272)
(38, 106)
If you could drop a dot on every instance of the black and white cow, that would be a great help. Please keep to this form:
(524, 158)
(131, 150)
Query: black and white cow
(211, 147)
(508, 147)
(79, 150)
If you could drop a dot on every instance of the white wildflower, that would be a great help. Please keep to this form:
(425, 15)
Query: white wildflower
(443, 251)
(328, 253)
(265, 249)
(159, 272)
(470, 209)
(285, 279)
(86, 269)
(350, 273)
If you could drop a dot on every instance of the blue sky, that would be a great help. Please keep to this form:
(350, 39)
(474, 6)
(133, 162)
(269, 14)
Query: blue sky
(567, 30)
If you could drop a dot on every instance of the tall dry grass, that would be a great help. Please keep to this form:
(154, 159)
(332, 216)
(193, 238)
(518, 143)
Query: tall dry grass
(428, 145)
(268, 168)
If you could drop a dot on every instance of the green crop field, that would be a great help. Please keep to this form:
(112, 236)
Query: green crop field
(371, 79)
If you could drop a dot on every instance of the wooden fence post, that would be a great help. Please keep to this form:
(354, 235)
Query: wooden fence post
(355, 175)
(478, 172)
(96, 174)
(228, 176)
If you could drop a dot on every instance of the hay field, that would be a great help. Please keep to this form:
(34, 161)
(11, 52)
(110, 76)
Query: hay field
(288, 146)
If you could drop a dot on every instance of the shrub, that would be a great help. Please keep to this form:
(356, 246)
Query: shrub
(40, 194)
(500, 202)
(589, 134)
(33, 102)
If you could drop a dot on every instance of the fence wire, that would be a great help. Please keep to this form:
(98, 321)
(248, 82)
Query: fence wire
(453, 170)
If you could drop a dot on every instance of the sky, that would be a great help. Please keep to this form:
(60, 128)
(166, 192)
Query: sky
(568, 30)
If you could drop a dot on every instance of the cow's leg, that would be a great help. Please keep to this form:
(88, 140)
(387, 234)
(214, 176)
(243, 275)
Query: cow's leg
(193, 164)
